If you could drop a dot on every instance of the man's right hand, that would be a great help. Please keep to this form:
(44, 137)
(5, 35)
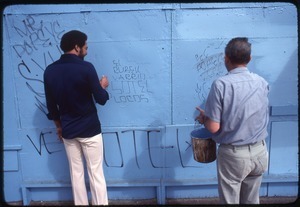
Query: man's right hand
(104, 82)
(201, 117)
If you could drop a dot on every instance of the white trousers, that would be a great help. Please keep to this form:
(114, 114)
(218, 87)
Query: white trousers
(92, 150)
(240, 171)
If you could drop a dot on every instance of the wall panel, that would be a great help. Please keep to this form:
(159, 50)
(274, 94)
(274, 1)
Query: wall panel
(161, 60)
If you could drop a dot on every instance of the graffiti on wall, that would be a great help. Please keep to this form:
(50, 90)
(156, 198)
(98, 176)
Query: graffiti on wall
(35, 34)
(41, 142)
(209, 65)
(129, 84)
(37, 47)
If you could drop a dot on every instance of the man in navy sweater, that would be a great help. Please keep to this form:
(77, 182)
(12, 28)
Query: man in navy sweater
(72, 87)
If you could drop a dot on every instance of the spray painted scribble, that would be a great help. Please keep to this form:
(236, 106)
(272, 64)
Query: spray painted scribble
(209, 66)
(36, 34)
(38, 147)
(120, 149)
(129, 84)
(37, 47)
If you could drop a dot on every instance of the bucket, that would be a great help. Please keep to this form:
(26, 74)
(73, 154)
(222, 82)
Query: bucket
(204, 147)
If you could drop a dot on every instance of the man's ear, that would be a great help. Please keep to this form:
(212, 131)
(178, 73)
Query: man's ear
(76, 48)
(226, 59)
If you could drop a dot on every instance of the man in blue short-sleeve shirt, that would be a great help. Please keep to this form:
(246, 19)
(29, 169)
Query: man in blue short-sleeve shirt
(238, 100)
(236, 112)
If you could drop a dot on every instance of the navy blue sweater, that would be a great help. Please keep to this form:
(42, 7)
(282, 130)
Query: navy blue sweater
(71, 86)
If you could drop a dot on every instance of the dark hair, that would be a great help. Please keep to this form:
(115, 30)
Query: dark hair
(72, 38)
(238, 50)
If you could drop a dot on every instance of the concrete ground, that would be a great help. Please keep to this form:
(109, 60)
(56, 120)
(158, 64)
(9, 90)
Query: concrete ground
(288, 201)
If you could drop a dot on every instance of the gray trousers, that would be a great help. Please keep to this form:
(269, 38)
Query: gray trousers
(240, 171)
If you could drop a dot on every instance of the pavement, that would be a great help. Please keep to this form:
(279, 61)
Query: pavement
(273, 201)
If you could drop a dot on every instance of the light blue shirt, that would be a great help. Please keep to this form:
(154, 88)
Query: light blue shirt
(239, 102)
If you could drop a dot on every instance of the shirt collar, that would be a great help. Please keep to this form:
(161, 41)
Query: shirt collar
(70, 56)
(238, 70)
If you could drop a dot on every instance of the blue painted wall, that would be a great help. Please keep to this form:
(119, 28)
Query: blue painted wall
(160, 60)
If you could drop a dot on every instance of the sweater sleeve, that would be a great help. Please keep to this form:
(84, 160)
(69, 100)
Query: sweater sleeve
(100, 95)
(51, 104)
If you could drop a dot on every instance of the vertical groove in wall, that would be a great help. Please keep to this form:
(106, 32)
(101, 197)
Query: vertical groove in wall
(269, 146)
(269, 153)
(171, 74)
